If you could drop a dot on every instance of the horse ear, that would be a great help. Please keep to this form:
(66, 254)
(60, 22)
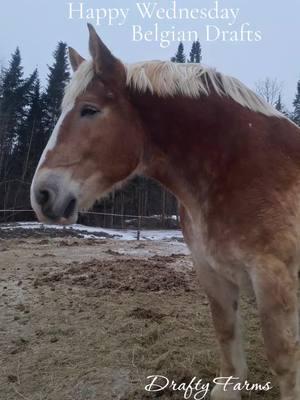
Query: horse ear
(75, 59)
(107, 66)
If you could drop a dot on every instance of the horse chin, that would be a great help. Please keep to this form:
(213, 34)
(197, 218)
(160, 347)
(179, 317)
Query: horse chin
(89, 198)
(91, 193)
(86, 204)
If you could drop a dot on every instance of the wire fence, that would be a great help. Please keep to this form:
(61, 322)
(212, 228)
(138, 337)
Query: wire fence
(87, 213)
(119, 212)
(105, 220)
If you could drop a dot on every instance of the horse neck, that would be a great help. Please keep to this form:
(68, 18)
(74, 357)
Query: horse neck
(187, 141)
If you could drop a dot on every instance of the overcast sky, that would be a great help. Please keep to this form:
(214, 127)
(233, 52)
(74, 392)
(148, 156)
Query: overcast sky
(37, 25)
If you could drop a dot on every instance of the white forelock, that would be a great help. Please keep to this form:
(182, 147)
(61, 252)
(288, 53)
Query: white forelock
(78, 84)
(165, 79)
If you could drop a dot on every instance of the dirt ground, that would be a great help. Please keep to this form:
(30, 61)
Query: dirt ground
(90, 319)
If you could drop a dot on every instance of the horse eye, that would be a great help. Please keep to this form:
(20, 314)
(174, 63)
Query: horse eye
(88, 112)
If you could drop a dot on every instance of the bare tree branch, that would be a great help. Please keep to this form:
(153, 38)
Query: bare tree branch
(270, 89)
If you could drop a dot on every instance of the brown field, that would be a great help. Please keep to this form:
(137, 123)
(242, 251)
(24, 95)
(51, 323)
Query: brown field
(86, 319)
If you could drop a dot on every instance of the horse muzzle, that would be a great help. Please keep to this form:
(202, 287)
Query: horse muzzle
(54, 197)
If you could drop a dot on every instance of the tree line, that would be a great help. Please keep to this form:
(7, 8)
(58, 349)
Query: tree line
(28, 114)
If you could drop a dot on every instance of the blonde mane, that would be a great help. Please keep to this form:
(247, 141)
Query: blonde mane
(165, 79)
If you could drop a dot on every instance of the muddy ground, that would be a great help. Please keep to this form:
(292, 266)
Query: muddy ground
(90, 319)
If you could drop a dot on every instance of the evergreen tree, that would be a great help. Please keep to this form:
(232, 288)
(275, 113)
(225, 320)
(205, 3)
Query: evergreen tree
(27, 137)
(1, 97)
(180, 56)
(57, 79)
(296, 104)
(12, 76)
(15, 94)
(196, 53)
(28, 148)
(281, 107)
(12, 108)
(1, 82)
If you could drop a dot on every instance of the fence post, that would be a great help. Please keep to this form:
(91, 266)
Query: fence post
(138, 234)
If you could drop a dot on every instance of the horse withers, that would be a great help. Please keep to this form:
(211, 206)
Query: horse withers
(232, 161)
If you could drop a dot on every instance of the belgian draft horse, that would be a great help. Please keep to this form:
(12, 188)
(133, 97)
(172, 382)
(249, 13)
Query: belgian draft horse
(232, 161)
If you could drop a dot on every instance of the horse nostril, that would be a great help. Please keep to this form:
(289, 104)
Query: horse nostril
(69, 210)
(42, 197)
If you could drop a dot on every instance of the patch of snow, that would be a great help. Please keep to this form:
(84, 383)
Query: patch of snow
(89, 232)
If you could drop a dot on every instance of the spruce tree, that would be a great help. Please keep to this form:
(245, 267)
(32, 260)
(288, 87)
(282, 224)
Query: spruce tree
(57, 79)
(28, 141)
(296, 104)
(15, 94)
(180, 56)
(28, 90)
(1, 82)
(192, 54)
(12, 108)
(1, 97)
(281, 107)
(195, 54)
(28, 147)
(12, 76)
